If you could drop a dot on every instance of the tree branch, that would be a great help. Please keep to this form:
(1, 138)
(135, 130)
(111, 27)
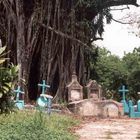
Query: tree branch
(121, 21)
(64, 35)
(110, 3)
(118, 9)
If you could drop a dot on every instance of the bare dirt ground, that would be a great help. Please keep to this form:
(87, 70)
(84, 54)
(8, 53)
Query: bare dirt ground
(115, 129)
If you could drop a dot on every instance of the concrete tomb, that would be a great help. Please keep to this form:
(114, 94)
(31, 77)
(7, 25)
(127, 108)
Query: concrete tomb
(93, 105)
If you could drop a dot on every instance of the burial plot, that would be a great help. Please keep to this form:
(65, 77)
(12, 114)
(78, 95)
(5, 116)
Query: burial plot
(75, 90)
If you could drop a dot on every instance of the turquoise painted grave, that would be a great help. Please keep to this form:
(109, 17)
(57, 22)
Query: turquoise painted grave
(123, 90)
(19, 103)
(44, 100)
(132, 112)
(129, 108)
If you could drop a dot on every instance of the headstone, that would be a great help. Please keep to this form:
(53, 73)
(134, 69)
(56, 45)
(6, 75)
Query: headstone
(75, 90)
(19, 103)
(94, 90)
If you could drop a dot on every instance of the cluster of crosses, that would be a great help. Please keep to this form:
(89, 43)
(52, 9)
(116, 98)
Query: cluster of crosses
(43, 101)
(46, 100)
(129, 108)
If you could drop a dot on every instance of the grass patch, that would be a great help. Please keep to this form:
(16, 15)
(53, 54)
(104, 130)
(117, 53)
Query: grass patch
(25, 125)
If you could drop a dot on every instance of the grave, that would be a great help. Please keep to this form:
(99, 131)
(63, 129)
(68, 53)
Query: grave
(132, 110)
(94, 90)
(18, 102)
(75, 90)
(44, 100)
(93, 105)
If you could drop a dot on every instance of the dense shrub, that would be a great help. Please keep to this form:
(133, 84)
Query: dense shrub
(8, 75)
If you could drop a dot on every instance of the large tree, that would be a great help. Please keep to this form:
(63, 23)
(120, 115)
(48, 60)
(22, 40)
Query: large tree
(48, 39)
(132, 64)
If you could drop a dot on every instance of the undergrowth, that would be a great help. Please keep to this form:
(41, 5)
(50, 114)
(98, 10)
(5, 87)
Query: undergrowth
(27, 125)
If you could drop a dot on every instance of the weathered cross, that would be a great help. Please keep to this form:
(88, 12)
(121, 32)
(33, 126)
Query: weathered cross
(44, 86)
(123, 91)
(18, 92)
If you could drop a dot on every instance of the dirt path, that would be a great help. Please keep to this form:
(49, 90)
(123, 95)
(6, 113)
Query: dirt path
(115, 129)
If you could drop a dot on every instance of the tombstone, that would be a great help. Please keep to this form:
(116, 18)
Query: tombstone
(75, 90)
(18, 102)
(44, 100)
(94, 90)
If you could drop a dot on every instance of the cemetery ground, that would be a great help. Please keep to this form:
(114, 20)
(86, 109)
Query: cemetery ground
(115, 129)
(25, 125)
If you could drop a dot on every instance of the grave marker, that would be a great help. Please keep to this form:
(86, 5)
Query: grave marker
(44, 86)
(19, 103)
(123, 91)
(45, 100)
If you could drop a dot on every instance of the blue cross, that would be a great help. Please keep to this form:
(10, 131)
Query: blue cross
(44, 86)
(123, 91)
(18, 92)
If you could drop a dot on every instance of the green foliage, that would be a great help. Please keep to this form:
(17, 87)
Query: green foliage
(7, 77)
(90, 16)
(36, 126)
(132, 64)
(112, 72)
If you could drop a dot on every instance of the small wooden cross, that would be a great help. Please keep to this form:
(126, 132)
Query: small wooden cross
(44, 86)
(18, 92)
(123, 90)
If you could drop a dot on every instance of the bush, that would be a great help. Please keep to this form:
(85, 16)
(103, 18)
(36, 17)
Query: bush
(7, 77)
(36, 126)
